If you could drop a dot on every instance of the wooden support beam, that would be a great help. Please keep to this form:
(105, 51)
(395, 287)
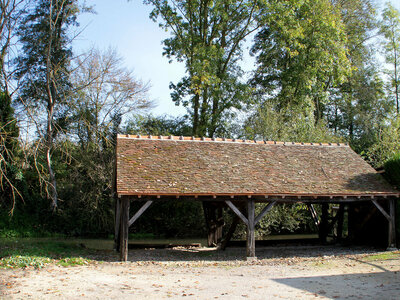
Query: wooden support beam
(117, 221)
(230, 232)
(251, 240)
(391, 219)
(140, 212)
(313, 214)
(378, 206)
(392, 225)
(340, 219)
(124, 229)
(264, 211)
(237, 211)
(324, 224)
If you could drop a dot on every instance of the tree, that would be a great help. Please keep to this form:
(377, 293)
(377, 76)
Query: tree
(104, 96)
(390, 30)
(358, 108)
(43, 69)
(300, 53)
(10, 13)
(9, 170)
(207, 36)
(161, 125)
(103, 91)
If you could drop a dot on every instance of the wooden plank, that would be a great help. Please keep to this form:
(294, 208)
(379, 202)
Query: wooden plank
(381, 210)
(264, 211)
(124, 229)
(237, 211)
(140, 212)
(251, 241)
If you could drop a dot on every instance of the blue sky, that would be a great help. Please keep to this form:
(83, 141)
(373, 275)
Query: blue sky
(126, 27)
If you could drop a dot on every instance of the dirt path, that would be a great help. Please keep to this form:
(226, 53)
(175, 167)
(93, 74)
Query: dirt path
(279, 273)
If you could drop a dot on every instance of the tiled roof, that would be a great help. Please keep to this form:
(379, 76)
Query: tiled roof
(149, 165)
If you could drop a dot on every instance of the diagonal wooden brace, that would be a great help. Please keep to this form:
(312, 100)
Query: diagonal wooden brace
(264, 212)
(140, 212)
(237, 212)
(391, 219)
(382, 210)
(244, 219)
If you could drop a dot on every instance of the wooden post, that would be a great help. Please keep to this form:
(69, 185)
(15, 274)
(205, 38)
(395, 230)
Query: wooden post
(220, 225)
(125, 204)
(214, 223)
(117, 223)
(339, 233)
(251, 241)
(323, 228)
(392, 225)
(230, 233)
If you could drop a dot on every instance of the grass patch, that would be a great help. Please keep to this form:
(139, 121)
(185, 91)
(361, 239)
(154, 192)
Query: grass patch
(37, 254)
(384, 256)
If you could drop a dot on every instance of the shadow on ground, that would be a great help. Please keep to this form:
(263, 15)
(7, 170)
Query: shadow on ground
(235, 253)
(336, 286)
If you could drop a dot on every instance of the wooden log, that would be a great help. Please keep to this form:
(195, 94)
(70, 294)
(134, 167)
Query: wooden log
(124, 229)
(251, 241)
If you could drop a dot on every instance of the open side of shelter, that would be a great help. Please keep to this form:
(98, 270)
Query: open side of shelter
(240, 173)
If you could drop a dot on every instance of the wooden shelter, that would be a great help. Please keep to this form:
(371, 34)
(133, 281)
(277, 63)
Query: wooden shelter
(239, 173)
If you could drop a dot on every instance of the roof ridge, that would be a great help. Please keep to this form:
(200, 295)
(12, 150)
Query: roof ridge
(204, 139)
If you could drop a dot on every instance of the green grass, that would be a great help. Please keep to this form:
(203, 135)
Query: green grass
(37, 254)
(384, 256)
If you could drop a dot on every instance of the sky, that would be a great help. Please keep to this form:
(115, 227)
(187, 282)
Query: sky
(126, 27)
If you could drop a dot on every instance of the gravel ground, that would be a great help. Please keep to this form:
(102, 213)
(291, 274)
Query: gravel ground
(295, 272)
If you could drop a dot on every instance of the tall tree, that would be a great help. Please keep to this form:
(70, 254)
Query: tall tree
(103, 89)
(358, 107)
(44, 70)
(390, 29)
(9, 171)
(207, 36)
(300, 53)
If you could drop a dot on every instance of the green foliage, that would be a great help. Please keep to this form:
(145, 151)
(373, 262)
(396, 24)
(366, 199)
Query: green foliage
(266, 124)
(37, 254)
(10, 171)
(390, 29)
(387, 145)
(161, 125)
(171, 219)
(392, 169)
(207, 36)
(281, 219)
(300, 53)
(392, 174)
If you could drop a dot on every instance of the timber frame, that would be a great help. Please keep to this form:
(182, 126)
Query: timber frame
(123, 220)
(236, 174)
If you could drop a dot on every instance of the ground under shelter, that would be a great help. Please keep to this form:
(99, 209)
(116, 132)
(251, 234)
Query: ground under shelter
(239, 173)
